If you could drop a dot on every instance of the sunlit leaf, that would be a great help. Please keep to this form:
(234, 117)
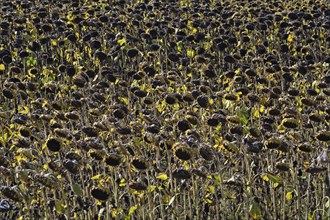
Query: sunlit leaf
(289, 196)
(96, 177)
(121, 42)
(162, 176)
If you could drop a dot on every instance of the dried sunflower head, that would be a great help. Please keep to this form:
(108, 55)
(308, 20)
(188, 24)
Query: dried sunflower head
(140, 163)
(100, 193)
(183, 152)
(54, 144)
(206, 152)
(113, 160)
(181, 174)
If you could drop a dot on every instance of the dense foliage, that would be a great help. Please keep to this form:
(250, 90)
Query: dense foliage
(164, 109)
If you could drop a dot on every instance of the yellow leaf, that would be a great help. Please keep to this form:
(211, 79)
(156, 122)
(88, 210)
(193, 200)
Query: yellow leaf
(262, 108)
(265, 177)
(24, 110)
(132, 209)
(96, 177)
(209, 201)
(256, 113)
(45, 102)
(190, 53)
(290, 37)
(121, 41)
(54, 43)
(45, 166)
(152, 188)
(288, 196)
(19, 158)
(211, 189)
(162, 176)
(2, 67)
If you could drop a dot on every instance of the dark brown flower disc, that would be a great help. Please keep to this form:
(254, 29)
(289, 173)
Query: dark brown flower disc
(25, 131)
(255, 132)
(8, 93)
(139, 186)
(206, 152)
(154, 129)
(53, 165)
(307, 101)
(53, 144)
(209, 73)
(124, 130)
(213, 122)
(293, 92)
(79, 81)
(273, 143)
(101, 55)
(283, 166)
(230, 97)
(274, 112)
(140, 93)
(71, 165)
(323, 136)
(305, 147)
(113, 160)
(183, 125)
(140, 164)
(119, 113)
(237, 130)
(132, 52)
(173, 57)
(72, 115)
(183, 153)
(203, 101)
(10, 193)
(199, 172)
(170, 99)
(315, 169)
(100, 194)
(290, 123)
(229, 59)
(90, 131)
(73, 156)
(96, 154)
(181, 174)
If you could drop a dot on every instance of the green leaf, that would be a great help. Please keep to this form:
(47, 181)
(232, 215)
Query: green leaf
(59, 206)
(274, 179)
(77, 189)
(244, 116)
(255, 211)
(217, 180)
